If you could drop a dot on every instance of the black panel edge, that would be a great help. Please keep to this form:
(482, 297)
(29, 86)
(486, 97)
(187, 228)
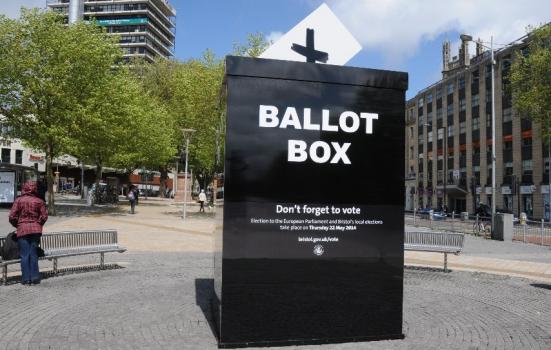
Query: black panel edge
(310, 341)
(323, 73)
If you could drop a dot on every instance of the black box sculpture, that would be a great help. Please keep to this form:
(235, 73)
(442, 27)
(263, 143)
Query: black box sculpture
(310, 244)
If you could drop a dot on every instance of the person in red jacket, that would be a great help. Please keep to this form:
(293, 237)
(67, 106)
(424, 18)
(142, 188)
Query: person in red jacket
(28, 214)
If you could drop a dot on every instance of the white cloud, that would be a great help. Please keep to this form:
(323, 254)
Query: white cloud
(12, 8)
(274, 36)
(396, 28)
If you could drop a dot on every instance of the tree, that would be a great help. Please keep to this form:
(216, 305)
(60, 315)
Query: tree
(531, 80)
(47, 70)
(158, 81)
(256, 45)
(190, 92)
(124, 127)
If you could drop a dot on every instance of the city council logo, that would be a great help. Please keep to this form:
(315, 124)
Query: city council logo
(318, 250)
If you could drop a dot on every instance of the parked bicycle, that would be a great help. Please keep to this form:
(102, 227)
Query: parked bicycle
(482, 227)
(105, 194)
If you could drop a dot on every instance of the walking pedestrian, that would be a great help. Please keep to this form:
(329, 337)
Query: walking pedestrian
(202, 199)
(132, 198)
(28, 214)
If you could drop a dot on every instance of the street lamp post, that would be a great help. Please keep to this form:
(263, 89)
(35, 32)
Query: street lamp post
(82, 179)
(175, 181)
(187, 136)
(470, 38)
(493, 134)
(548, 179)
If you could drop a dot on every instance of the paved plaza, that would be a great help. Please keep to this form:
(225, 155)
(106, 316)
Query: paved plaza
(156, 295)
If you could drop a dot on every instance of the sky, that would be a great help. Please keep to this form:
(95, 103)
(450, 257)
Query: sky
(400, 35)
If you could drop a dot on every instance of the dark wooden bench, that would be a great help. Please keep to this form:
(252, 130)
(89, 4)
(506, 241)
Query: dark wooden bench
(71, 243)
(439, 242)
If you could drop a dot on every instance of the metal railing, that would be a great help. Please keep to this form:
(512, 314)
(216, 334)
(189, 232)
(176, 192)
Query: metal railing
(452, 222)
(535, 232)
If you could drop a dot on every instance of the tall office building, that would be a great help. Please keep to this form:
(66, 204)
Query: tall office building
(146, 27)
(449, 139)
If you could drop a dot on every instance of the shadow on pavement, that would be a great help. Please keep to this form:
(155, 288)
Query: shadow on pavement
(426, 268)
(541, 285)
(204, 295)
(65, 271)
(76, 211)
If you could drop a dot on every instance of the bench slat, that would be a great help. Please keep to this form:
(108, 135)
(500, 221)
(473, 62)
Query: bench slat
(72, 243)
(438, 242)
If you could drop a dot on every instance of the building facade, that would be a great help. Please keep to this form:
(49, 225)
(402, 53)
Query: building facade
(449, 140)
(146, 27)
(14, 152)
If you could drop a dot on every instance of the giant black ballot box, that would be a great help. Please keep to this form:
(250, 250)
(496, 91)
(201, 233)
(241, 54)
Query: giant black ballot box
(309, 240)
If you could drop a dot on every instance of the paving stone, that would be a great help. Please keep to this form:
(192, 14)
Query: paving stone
(154, 302)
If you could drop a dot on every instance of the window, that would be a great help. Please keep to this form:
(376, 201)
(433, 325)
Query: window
(6, 155)
(18, 156)
(411, 152)
(439, 92)
(429, 136)
(461, 83)
(527, 142)
(439, 114)
(462, 104)
(450, 109)
(476, 123)
(462, 127)
(507, 115)
(450, 131)
(440, 134)
(420, 102)
(474, 100)
(507, 145)
(127, 29)
(488, 120)
(508, 168)
(489, 71)
(421, 120)
(429, 117)
(488, 96)
(450, 88)
(429, 98)
(506, 64)
(527, 167)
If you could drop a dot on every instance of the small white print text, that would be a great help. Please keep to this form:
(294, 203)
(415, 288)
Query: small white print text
(318, 239)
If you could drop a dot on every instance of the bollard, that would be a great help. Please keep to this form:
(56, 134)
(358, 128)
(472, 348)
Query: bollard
(541, 231)
(524, 233)
(414, 212)
(453, 218)
(476, 225)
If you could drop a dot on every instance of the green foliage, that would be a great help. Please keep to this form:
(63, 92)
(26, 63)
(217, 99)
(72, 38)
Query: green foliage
(63, 91)
(531, 80)
(190, 91)
(256, 45)
(47, 71)
(121, 128)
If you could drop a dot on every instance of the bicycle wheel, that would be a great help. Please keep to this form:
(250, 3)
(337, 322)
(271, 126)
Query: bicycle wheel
(476, 228)
(487, 230)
